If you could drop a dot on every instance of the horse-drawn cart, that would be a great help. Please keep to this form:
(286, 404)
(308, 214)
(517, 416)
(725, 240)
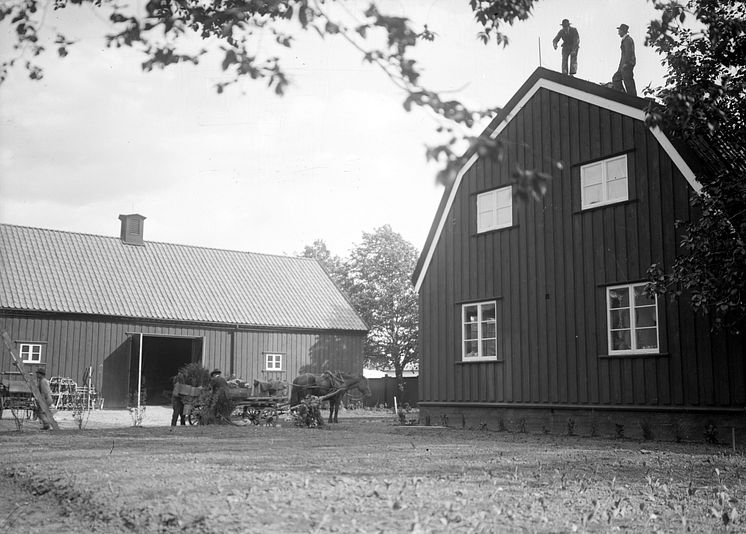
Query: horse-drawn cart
(16, 396)
(260, 405)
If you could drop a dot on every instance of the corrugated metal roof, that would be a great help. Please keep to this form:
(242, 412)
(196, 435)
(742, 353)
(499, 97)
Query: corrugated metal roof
(51, 270)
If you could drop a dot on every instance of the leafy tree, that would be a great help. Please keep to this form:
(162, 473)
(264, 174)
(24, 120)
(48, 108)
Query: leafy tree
(379, 270)
(704, 104)
(332, 264)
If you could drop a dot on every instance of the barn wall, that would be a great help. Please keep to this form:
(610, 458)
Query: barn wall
(72, 343)
(549, 271)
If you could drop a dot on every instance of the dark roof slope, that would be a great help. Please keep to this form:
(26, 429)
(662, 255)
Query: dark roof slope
(55, 271)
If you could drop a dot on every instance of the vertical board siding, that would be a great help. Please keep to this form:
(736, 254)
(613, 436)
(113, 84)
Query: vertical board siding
(550, 272)
(72, 344)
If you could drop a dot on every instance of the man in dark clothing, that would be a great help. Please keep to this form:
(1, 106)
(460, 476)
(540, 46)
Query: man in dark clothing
(570, 45)
(178, 405)
(220, 406)
(627, 62)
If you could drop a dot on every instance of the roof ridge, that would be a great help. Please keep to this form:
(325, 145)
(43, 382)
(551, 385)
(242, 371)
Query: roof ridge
(56, 230)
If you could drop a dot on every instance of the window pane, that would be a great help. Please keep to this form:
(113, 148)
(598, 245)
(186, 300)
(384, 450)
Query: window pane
(619, 319)
(504, 197)
(591, 174)
(488, 329)
(593, 194)
(618, 189)
(645, 316)
(647, 338)
(471, 348)
(489, 347)
(620, 340)
(486, 221)
(470, 332)
(470, 314)
(486, 201)
(504, 217)
(619, 298)
(488, 312)
(616, 168)
(641, 299)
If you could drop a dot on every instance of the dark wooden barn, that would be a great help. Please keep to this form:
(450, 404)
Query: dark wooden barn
(125, 306)
(533, 313)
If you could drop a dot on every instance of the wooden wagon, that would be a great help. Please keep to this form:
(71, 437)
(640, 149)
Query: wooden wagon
(16, 396)
(250, 405)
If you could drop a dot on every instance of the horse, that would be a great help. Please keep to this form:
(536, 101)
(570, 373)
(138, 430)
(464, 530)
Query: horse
(324, 384)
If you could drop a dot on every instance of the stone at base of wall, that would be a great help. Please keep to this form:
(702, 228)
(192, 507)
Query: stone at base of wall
(703, 427)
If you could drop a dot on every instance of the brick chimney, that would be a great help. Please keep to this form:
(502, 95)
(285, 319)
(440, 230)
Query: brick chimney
(132, 229)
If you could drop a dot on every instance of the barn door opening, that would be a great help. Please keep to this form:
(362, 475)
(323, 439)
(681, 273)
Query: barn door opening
(116, 375)
(160, 360)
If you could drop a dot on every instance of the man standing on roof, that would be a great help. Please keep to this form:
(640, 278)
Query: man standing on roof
(626, 63)
(570, 45)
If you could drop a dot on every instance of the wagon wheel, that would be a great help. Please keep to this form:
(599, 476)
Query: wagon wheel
(195, 416)
(269, 416)
(252, 415)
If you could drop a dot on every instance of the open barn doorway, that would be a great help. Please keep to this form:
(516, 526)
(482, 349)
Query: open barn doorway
(162, 357)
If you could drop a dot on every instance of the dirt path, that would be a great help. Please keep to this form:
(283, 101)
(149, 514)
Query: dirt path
(367, 476)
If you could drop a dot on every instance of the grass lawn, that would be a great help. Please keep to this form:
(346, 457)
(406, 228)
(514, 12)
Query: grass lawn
(361, 476)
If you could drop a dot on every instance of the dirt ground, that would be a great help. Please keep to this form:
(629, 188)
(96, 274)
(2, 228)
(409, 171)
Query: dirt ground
(365, 474)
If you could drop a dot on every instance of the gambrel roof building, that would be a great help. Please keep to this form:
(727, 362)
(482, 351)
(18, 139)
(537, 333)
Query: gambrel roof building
(535, 310)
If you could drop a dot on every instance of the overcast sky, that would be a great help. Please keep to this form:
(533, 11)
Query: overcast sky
(247, 170)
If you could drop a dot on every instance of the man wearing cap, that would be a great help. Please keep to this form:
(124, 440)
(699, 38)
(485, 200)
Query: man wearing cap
(570, 45)
(627, 62)
(46, 395)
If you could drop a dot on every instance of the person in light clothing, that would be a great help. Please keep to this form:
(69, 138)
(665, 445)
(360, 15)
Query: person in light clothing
(46, 396)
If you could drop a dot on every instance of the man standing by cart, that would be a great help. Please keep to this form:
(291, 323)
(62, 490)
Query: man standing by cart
(46, 397)
(178, 405)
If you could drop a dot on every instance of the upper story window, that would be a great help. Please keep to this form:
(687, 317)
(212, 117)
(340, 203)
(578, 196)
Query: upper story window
(30, 352)
(272, 362)
(479, 328)
(495, 209)
(633, 320)
(604, 182)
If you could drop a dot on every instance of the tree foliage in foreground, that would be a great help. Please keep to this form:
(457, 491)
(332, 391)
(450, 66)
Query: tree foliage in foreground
(703, 96)
(704, 104)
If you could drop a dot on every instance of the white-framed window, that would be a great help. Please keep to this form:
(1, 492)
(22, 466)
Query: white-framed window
(495, 209)
(632, 319)
(272, 362)
(30, 352)
(604, 182)
(479, 331)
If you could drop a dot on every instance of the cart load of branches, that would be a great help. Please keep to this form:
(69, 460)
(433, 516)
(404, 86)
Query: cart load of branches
(307, 413)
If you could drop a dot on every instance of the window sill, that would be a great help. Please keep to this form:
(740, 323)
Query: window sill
(479, 360)
(496, 230)
(602, 206)
(636, 355)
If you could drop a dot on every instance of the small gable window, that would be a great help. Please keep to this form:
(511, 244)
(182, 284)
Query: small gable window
(633, 320)
(30, 352)
(272, 362)
(479, 329)
(604, 182)
(495, 209)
